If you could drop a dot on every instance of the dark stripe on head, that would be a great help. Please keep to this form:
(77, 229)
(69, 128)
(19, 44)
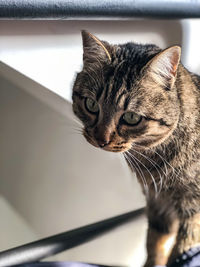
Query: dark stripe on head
(108, 74)
(99, 93)
(129, 79)
(119, 76)
(116, 86)
(107, 89)
(126, 103)
(120, 96)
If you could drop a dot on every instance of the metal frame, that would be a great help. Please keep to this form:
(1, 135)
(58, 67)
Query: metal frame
(93, 9)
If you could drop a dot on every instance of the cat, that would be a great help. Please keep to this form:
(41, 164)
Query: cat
(141, 101)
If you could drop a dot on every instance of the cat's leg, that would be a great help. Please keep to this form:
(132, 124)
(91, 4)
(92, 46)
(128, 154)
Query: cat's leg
(188, 236)
(162, 231)
(160, 245)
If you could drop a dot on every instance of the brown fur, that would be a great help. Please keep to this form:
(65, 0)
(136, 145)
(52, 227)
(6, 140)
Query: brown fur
(163, 148)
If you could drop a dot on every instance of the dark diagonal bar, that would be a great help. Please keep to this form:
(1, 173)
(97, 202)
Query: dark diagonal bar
(93, 9)
(52, 245)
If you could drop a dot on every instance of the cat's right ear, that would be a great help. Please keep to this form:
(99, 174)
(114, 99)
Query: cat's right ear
(163, 66)
(94, 50)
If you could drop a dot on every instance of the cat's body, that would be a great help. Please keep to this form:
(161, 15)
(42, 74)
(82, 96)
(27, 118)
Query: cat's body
(140, 100)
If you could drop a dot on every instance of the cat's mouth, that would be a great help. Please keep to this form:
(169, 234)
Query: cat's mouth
(111, 147)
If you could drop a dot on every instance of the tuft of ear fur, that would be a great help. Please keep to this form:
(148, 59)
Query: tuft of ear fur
(94, 49)
(164, 65)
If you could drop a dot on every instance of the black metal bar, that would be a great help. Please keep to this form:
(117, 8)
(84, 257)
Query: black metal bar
(52, 245)
(109, 9)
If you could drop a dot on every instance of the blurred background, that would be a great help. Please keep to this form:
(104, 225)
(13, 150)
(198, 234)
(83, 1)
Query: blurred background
(51, 179)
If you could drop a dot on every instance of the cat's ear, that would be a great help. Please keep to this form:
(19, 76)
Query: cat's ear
(94, 49)
(163, 66)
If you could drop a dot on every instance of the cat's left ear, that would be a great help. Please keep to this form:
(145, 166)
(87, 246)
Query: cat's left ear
(163, 66)
(94, 49)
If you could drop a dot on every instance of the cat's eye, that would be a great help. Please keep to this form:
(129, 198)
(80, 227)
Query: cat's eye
(131, 118)
(91, 105)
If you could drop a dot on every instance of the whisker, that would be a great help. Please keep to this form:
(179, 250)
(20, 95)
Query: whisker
(155, 165)
(153, 179)
(133, 167)
(78, 130)
(77, 121)
(129, 161)
(166, 162)
(146, 189)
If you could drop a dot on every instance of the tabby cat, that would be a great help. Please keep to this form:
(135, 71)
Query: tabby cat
(139, 100)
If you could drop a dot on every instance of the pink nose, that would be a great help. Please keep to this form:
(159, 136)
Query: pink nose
(102, 143)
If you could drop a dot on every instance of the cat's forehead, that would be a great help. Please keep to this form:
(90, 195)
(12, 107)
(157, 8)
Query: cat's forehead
(127, 63)
(135, 54)
(119, 81)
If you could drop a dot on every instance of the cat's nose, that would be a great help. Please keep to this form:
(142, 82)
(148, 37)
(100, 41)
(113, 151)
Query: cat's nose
(103, 135)
(103, 143)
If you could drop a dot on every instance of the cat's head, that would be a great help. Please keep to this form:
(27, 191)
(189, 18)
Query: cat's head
(126, 94)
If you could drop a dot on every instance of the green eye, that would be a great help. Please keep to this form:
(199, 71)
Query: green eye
(131, 118)
(91, 105)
